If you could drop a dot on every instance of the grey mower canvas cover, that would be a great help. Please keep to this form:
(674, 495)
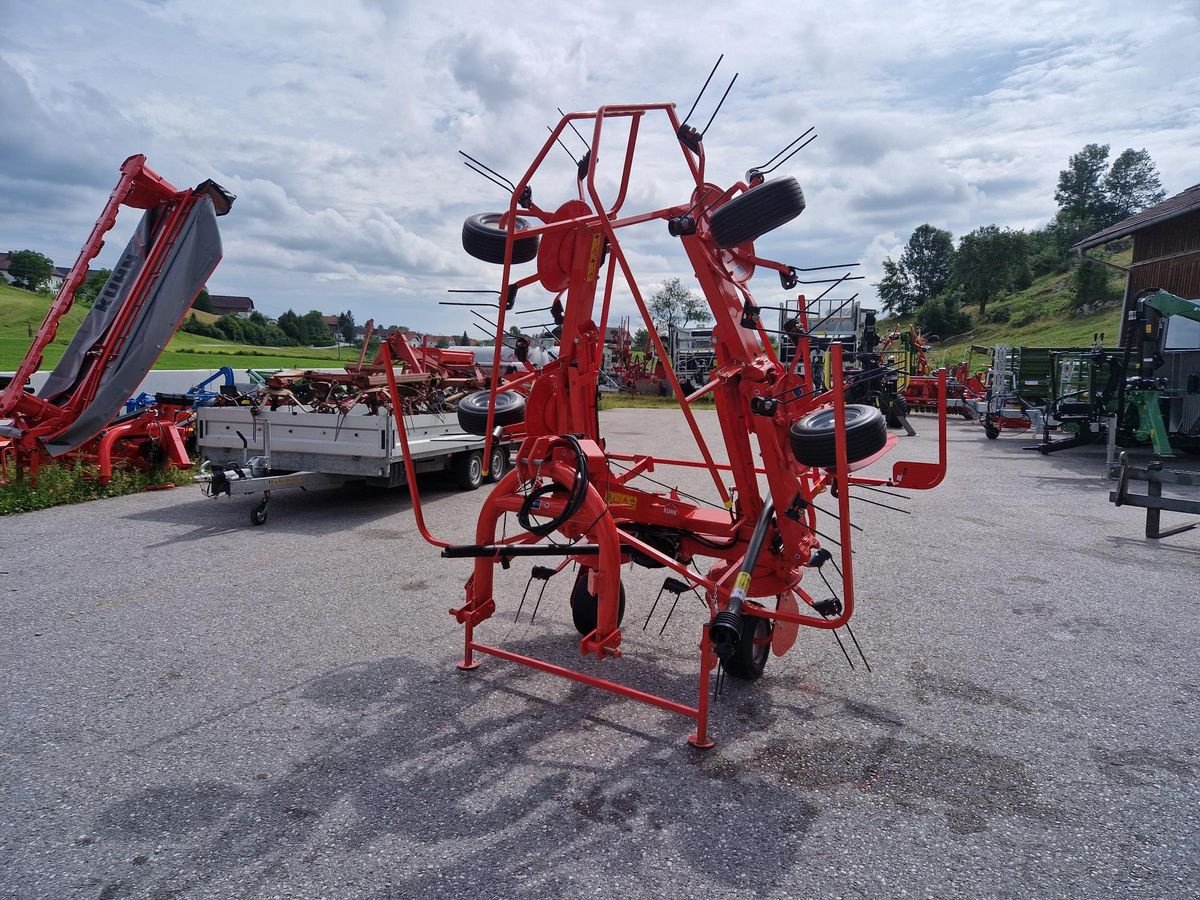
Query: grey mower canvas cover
(186, 269)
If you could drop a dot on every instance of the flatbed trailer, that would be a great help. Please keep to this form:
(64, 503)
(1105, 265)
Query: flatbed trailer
(250, 450)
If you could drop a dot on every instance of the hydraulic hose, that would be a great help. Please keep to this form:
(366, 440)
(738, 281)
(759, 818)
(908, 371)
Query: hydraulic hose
(579, 487)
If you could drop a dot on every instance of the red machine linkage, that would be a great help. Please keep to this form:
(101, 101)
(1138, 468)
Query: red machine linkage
(775, 425)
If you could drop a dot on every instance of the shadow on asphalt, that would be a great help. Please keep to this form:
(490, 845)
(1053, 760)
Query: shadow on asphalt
(508, 776)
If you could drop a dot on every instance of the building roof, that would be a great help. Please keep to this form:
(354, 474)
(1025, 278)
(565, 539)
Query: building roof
(1182, 203)
(226, 301)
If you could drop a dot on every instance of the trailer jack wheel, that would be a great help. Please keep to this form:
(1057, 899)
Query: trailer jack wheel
(584, 604)
(258, 514)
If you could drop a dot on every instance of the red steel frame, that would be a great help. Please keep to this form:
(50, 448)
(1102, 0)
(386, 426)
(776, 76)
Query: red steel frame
(754, 393)
(40, 420)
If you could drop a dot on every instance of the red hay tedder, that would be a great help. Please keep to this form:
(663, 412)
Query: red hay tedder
(173, 251)
(803, 441)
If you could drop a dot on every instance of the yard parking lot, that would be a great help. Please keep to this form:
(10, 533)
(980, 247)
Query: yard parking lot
(194, 708)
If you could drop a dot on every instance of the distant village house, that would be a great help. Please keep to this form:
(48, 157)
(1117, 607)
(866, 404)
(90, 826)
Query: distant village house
(226, 305)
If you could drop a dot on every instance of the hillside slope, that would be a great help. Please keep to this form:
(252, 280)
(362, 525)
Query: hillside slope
(1039, 316)
(22, 312)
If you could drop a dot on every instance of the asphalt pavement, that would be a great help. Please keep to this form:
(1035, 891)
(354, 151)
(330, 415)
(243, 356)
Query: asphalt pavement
(195, 708)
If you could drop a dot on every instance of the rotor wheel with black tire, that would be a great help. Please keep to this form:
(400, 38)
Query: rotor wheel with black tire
(750, 656)
(813, 436)
(473, 410)
(468, 469)
(584, 604)
(761, 209)
(484, 239)
(498, 465)
(991, 431)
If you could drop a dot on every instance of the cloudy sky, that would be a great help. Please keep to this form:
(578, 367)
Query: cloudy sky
(338, 124)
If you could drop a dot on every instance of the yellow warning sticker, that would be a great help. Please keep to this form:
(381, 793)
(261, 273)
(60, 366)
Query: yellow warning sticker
(618, 498)
(594, 256)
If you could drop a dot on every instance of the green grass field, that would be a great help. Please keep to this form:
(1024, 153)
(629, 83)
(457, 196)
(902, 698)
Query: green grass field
(21, 314)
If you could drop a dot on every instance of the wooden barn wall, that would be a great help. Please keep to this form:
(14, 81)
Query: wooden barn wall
(1171, 238)
(1168, 257)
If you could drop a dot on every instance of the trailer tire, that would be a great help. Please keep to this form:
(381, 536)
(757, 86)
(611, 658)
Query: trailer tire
(898, 408)
(749, 216)
(499, 464)
(812, 436)
(468, 469)
(473, 410)
(484, 239)
(991, 431)
(752, 651)
(584, 604)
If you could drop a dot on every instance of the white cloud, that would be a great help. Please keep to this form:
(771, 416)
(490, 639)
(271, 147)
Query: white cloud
(338, 124)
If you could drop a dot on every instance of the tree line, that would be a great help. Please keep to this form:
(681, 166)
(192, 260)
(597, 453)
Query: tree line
(289, 330)
(935, 280)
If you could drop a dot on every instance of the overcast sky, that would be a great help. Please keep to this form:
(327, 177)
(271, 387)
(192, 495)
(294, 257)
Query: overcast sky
(337, 124)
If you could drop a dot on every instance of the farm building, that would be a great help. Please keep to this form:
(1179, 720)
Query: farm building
(1166, 247)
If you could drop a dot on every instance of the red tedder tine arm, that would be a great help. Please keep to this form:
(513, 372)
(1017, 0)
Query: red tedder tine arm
(138, 186)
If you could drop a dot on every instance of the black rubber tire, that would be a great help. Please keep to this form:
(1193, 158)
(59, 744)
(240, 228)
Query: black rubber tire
(584, 604)
(483, 238)
(473, 410)
(749, 216)
(498, 465)
(468, 469)
(899, 408)
(753, 650)
(991, 431)
(812, 437)
(258, 514)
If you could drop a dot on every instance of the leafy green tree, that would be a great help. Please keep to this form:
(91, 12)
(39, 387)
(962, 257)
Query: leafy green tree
(466, 341)
(1132, 184)
(313, 330)
(928, 259)
(442, 343)
(289, 324)
(90, 289)
(641, 340)
(1090, 284)
(673, 305)
(896, 289)
(345, 327)
(29, 269)
(1082, 204)
(257, 318)
(1092, 195)
(989, 261)
(943, 316)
